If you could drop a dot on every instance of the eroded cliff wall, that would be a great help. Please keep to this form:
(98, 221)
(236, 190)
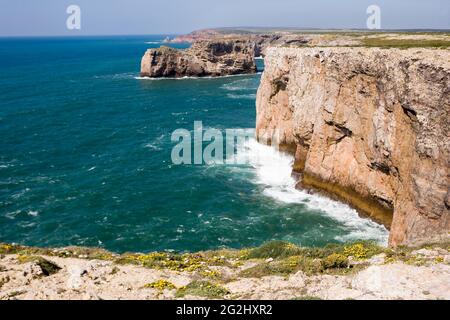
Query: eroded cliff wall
(203, 58)
(368, 125)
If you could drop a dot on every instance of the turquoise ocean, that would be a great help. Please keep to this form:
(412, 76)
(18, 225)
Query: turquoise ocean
(85, 157)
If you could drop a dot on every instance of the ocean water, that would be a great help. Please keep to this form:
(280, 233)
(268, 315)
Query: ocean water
(85, 157)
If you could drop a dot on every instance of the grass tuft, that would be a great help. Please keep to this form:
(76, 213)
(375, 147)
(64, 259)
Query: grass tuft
(48, 268)
(335, 260)
(404, 43)
(161, 285)
(274, 249)
(202, 289)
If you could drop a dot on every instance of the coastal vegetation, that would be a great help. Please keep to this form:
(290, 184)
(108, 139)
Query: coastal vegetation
(300, 273)
(271, 258)
(385, 42)
(333, 38)
(202, 289)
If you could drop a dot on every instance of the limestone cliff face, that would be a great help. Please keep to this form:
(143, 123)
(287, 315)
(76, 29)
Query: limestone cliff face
(368, 125)
(204, 58)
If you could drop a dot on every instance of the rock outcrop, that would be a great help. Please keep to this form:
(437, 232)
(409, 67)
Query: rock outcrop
(261, 40)
(368, 125)
(203, 58)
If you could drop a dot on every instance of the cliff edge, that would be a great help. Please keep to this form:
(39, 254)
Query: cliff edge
(368, 125)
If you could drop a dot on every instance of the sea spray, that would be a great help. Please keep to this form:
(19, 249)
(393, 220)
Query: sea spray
(273, 170)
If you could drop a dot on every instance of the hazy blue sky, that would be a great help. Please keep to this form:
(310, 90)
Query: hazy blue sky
(48, 17)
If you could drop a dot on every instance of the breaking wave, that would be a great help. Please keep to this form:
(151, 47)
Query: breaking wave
(251, 96)
(272, 169)
(241, 85)
(197, 78)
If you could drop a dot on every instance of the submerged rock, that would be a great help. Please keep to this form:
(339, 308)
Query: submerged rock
(204, 58)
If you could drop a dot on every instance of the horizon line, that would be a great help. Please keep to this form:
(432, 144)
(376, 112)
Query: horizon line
(230, 28)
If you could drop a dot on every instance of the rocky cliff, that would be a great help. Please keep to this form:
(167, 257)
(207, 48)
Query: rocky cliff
(203, 58)
(368, 125)
(261, 40)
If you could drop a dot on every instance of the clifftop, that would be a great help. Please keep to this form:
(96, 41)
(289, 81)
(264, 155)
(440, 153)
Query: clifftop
(217, 52)
(265, 37)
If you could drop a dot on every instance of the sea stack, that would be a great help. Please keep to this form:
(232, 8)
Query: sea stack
(203, 58)
(368, 125)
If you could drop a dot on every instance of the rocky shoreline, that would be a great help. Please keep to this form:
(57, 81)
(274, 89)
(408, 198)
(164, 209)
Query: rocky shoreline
(276, 270)
(368, 125)
(366, 114)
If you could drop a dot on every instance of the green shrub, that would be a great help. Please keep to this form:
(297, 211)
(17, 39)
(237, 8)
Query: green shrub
(335, 261)
(405, 43)
(202, 289)
(284, 267)
(48, 268)
(160, 285)
(274, 249)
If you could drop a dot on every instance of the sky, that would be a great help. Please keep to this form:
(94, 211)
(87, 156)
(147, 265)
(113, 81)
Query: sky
(118, 17)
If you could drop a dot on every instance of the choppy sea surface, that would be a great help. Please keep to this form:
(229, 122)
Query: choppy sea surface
(85, 157)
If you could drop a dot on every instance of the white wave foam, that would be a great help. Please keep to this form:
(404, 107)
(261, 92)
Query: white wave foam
(250, 96)
(9, 164)
(175, 114)
(273, 170)
(152, 146)
(155, 144)
(241, 85)
(33, 213)
(20, 193)
(153, 42)
(198, 78)
(117, 76)
(12, 215)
